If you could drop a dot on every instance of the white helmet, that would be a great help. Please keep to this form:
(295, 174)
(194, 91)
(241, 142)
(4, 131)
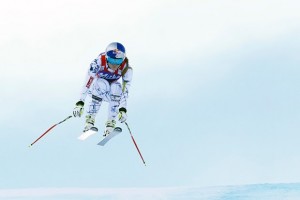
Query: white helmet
(115, 53)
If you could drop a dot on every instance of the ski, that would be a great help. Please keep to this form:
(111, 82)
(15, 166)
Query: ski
(115, 132)
(88, 133)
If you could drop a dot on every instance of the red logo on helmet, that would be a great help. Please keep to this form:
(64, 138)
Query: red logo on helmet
(116, 51)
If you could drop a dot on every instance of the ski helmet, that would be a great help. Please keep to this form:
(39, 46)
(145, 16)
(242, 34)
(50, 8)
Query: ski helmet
(115, 53)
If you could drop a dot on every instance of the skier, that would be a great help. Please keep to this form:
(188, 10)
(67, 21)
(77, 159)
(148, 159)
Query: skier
(103, 83)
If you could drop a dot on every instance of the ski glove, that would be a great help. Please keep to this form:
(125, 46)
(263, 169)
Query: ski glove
(78, 110)
(122, 116)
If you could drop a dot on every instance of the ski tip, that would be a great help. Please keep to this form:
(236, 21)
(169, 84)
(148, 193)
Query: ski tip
(30, 146)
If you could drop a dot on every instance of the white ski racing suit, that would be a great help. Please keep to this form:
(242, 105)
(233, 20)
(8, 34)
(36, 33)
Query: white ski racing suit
(105, 84)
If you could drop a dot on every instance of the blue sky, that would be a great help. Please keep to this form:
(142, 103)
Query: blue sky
(214, 100)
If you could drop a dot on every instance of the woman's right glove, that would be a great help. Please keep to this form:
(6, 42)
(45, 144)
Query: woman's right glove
(78, 110)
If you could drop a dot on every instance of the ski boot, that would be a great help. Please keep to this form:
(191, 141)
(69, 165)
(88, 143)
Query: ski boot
(89, 128)
(89, 123)
(110, 126)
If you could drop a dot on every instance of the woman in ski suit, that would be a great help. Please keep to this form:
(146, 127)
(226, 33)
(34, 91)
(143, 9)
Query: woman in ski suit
(108, 79)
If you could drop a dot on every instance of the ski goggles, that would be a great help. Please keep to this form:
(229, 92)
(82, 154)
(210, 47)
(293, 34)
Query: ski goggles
(114, 61)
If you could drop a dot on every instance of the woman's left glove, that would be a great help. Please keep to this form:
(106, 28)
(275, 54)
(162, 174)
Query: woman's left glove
(122, 116)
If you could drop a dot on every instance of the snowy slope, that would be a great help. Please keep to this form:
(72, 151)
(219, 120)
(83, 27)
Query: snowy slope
(245, 192)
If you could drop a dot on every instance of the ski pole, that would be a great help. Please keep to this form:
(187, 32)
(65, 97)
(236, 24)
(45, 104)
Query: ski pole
(49, 130)
(137, 148)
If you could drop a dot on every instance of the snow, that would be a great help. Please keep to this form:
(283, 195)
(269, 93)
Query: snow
(243, 192)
